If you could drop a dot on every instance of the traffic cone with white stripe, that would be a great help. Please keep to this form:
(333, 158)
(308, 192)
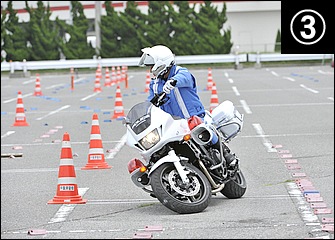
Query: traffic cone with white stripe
(214, 98)
(113, 76)
(20, 117)
(118, 109)
(147, 82)
(97, 85)
(38, 91)
(67, 188)
(118, 75)
(107, 78)
(96, 156)
(209, 80)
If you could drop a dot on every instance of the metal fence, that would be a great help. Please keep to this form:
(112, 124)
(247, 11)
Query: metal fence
(237, 59)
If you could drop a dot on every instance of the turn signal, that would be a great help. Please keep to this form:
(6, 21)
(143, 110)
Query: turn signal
(135, 164)
(143, 169)
(187, 137)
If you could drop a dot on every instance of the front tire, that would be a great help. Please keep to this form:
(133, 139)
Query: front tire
(181, 198)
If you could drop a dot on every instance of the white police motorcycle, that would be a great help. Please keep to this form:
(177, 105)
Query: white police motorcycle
(179, 166)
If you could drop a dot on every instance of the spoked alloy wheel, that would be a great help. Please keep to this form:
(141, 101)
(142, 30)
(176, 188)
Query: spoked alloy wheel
(182, 198)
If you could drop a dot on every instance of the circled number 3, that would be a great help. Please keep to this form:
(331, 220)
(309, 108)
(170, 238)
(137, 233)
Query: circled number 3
(308, 26)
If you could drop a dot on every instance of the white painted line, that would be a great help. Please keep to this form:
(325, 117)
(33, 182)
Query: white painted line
(14, 99)
(266, 142)
(29, 81)
(291, 79)
(226, 75)
(323, 72)
(49, 143)
(245, 106)
(274, 73)
(309, 89)
(331, 98)
(54, 86)
(65, 210)
(235, 91)
(53, 112)
(63, 84)
(89, 96)
(118, 147)
(7, 134)
(230, 80)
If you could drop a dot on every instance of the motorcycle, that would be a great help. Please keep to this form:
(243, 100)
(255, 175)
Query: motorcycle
(180, 166)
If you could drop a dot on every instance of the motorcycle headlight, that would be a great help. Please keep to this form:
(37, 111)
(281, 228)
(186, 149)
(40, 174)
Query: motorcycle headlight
(150, 140)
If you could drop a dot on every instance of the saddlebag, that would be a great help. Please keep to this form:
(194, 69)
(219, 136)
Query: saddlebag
(227, 119)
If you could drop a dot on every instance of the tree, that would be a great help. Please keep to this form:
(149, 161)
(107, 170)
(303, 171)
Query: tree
(76, 47)
(209, 39)
(123, 34)
(13, 35)
(133, 28)
(183, 31)
(158, 26)
(43, 34)
(3, 33)
(110, 32)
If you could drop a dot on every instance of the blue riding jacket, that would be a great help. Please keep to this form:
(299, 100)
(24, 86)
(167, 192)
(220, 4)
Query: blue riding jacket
(183, 100)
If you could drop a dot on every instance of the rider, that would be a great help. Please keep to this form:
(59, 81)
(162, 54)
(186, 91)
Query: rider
(183, 99)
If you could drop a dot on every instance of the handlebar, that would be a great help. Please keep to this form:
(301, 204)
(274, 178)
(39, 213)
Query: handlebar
(159, 99)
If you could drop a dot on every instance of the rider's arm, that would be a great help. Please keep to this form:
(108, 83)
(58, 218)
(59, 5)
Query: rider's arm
(184, 79)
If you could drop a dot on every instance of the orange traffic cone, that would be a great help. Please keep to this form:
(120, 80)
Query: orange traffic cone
(99, 72)
(118, 109)
(38, 91)
(118, 75)
(209, 80)
(96, 157)
(214, 98)
(97, 85)
(67, 189)
(113, 76)
(147, 82)
(107, 78)
(20, 117)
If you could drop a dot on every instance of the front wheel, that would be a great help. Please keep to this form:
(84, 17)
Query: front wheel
(182, 198)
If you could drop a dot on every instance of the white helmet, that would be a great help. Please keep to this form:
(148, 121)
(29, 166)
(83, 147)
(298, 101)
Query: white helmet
(160, 57)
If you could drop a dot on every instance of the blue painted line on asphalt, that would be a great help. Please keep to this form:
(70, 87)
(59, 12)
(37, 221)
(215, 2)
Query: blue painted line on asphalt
(311, 191)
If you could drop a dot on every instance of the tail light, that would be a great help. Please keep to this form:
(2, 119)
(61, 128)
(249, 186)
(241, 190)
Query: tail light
(136, 164)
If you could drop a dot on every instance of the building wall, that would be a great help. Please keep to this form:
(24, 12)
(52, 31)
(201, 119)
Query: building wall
(254, 24)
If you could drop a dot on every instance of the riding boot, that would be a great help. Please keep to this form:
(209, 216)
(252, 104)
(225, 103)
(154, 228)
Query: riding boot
(230, 157)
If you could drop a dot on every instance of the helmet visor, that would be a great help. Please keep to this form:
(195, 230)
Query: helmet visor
(146, 60)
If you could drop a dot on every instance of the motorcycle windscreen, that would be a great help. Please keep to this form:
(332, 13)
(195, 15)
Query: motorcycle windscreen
(139, 116)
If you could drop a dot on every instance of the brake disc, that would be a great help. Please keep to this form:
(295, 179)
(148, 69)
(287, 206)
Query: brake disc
(188, 189)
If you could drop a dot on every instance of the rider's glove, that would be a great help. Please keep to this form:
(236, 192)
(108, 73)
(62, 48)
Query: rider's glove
(168, 86)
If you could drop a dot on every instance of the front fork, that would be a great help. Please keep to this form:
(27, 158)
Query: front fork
(172, 157)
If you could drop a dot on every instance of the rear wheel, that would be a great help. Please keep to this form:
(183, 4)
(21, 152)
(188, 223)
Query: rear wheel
(236, 187)
(182, 198)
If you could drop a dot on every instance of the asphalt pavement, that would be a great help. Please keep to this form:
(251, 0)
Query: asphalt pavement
(286, 149)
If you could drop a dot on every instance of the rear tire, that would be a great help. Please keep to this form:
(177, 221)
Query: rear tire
(236, 187)
(181, 198)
